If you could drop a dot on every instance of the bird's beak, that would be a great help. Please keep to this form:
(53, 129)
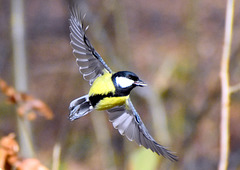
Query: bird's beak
(140, 83)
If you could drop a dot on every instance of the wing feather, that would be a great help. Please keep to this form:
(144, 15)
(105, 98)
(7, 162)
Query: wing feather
(77, 47)
(130, 129)
(75, 39)
(75, 30)
(85, 62)
(129, 123)
(90, 63)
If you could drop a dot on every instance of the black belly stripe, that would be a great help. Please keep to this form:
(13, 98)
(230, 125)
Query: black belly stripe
(97, 97)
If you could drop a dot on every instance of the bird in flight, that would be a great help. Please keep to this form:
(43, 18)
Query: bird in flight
(109, 90)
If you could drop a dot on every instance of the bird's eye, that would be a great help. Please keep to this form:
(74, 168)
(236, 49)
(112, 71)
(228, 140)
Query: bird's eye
(129, 76)
(132, 77)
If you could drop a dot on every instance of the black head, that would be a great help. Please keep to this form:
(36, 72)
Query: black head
(125, 81)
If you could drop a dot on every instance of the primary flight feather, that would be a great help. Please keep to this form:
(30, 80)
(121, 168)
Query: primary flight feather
(109, 91)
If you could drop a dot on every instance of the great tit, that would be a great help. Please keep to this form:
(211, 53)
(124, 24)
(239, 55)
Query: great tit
(109, 91)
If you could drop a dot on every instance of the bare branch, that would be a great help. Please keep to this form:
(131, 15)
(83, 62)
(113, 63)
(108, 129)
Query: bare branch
(225, 102)
(235, 88)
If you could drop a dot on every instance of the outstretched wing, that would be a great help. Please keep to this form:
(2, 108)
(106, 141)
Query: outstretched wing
(129, 123)
(90, 63)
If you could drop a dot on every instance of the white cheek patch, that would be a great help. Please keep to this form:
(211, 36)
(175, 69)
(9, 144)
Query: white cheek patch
(124, 82)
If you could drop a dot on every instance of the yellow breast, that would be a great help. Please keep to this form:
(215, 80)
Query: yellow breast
(102, 85)
(110, 102)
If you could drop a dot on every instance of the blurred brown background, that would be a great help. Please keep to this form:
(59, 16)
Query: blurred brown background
(175, 46)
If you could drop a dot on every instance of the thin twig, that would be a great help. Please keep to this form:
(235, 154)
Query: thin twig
(225, 102)
(20, 72)
(235, 88)
(56, 157)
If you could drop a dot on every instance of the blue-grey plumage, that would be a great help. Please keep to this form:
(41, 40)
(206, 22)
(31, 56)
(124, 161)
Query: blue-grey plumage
(109, 91)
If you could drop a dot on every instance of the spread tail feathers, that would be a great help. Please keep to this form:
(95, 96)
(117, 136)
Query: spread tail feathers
(79, 107)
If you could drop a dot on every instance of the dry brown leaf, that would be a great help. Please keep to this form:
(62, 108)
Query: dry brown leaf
(8, 150)
(31, 164)
(3, 158)
(26, 104)
(42, 108)
(9, 144)
(31, 116)
(9, 156)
